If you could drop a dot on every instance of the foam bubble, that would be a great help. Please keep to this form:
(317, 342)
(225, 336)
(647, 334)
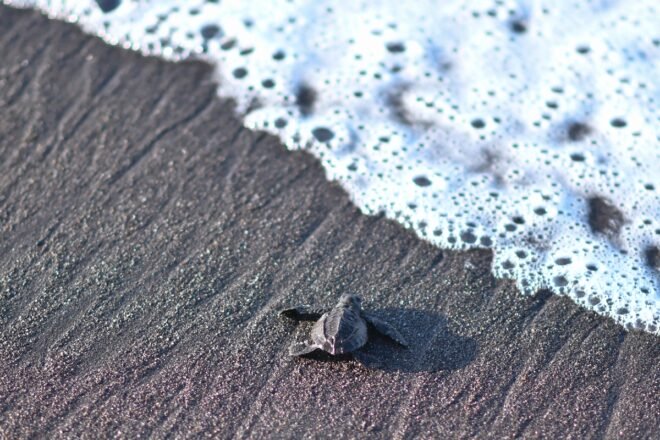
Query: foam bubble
(527, 127)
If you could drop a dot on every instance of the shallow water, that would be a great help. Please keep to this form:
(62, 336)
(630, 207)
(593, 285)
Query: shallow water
(530, 128)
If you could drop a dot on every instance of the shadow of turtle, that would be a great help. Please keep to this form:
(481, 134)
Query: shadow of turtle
(432, 346)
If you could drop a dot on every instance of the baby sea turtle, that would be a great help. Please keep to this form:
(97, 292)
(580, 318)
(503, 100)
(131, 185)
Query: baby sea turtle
(341, 330)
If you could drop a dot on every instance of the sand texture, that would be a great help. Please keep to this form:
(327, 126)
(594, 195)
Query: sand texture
(147, 241)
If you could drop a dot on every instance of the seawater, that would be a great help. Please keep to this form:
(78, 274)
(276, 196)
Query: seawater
(527, 127)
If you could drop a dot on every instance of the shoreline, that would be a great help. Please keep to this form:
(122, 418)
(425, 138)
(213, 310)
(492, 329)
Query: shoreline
(148, 240)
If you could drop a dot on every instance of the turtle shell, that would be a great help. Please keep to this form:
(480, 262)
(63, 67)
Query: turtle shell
(341, 330)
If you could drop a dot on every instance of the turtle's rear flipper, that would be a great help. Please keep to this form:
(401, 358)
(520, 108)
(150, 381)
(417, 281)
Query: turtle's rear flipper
(302, 313)
(385, 329)
(301, 349)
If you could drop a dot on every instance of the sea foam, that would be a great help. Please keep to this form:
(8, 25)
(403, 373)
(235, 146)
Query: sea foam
(527, 127)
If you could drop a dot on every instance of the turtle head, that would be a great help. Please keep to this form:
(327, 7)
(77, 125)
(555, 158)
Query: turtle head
(350, 300)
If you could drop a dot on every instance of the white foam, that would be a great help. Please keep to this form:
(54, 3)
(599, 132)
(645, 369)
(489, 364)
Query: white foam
(478, 124)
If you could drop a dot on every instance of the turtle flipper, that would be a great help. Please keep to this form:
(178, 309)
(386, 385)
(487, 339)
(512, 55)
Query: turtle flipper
(302, 313)
(301, 349)
(384, 328)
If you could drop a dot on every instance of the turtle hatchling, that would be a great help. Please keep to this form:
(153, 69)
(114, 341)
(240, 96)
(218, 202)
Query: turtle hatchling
(341, 330)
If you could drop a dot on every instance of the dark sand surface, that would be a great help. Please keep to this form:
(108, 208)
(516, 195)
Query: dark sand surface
(147, 241)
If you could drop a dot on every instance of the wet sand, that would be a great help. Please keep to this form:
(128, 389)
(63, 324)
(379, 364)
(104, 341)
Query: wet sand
(147, 241)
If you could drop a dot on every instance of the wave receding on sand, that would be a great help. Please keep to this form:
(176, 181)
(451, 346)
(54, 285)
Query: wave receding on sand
(530, 129)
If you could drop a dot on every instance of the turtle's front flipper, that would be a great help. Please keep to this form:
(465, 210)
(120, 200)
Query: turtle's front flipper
(302, 313)
(384, 328)
(301, 349)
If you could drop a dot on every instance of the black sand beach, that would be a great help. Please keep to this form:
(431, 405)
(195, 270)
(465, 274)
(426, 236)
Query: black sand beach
(147, 241)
